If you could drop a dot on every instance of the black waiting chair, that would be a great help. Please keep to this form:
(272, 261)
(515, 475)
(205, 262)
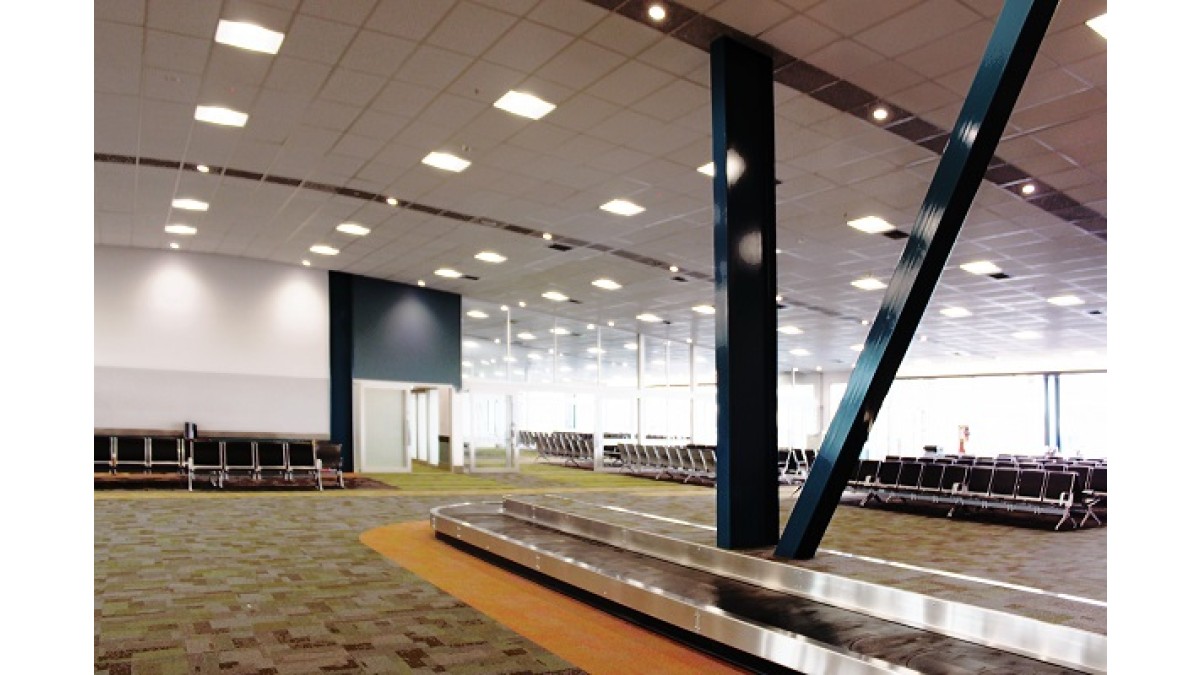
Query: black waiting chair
(206, 456)
(329, 456)
(105, 459)
(272, 458)
(166, 454)
(130, 453)
(239, 459)
(302, 459)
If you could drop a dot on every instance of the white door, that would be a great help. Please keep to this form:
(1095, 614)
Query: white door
(381, 430)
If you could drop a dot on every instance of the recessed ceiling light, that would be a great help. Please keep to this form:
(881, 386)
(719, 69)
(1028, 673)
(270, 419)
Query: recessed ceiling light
(657, 12)
(790, 330)
(526, 336)
(525, 105)
(779, 298)
(179, 229)
(392, 201)
(648, 318)
(322, 249)
(611, 324)
(622, 207)
(880, 114)
(421, 283)
(980, 267)
(534, 356)
(547, 236)
(559, 330)
(306, 263)
(248, 36)
(223, 116)
(354, 228)
(800, 352)
(490, 256)
(554, 295)
(174, 245)
(470, 344)
(868, 284)
(704, 309)
(189, 204)
(1065, 300)
(448, 273)
(595, 350)
(1100, 25)
(871, 224)
(606, 284)
(521, 303)
(632, 346)
(709, 169)
(467, 364)
(477, 314)
(857, 348)
(689, 341)
(445, 161)
(497, 341)
(864, 322)
(591, 326)
(673, 268)
(202, 168)
(924, 338)
(503, 308)
(1028, 189)
(1027, 335)
(956, 312)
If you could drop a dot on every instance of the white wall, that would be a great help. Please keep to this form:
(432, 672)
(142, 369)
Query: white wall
(231, 344)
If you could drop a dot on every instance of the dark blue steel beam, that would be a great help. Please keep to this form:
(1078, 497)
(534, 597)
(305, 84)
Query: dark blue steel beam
(744, 256)
(989, 103)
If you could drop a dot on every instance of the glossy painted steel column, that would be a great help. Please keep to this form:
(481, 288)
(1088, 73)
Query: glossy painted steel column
(341, 365)
(1006, 61)
(744, 256)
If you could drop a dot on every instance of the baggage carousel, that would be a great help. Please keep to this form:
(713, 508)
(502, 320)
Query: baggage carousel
(775, 614)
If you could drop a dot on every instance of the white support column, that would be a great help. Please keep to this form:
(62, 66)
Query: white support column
(457, 430)
(691, 391)
(641, 389)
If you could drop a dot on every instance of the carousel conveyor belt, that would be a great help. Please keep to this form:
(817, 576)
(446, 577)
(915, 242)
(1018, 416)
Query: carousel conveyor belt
(805, 621)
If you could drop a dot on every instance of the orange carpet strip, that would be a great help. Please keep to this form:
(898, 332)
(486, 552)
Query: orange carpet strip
(587, 637)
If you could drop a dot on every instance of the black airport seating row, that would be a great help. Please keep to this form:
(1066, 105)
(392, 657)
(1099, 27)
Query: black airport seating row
(221, 460)
(1022, 461)
(569, 447)
(673, 461)
(1077, 490)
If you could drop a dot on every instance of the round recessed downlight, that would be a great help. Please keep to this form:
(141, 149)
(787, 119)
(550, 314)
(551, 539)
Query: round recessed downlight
(880, 114)
(657, 12)
(1028, 189)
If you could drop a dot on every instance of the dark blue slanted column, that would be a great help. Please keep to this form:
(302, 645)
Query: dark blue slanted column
(744, 256)
(341, 365)
(1006, 61)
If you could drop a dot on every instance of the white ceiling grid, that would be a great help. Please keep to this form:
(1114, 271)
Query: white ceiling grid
(361, 91)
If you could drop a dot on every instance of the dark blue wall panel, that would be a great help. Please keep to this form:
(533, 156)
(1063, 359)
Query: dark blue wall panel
(406, 333)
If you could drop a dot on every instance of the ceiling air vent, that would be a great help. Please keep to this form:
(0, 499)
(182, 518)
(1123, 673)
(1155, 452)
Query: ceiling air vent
(678, 279)
(895, 234)
(1000, 275)
(470, 277)
(560, 247)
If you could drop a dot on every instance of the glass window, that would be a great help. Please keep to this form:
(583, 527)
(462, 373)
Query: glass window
(1083, 414)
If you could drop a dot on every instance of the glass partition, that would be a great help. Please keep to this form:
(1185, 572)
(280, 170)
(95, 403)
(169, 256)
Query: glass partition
(1083, 414)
